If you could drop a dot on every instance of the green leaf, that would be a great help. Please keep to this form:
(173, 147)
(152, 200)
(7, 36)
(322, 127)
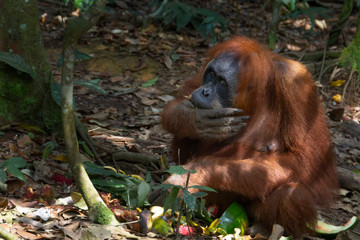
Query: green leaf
(178, 170)
(209, 28)
(93, 169)
(208, 20)
(86, 148)
(13, 165)
(2, 176)
(133, 191)
(184, 7)
(31, 135)
(183, 18)
(92, 84)
(208, 13)
(84, 5)
(16, 172)
(190, 200)
(199, 194)
(143, 190)
(148, 177)
(80, 56)
(131, 197)
(49, 146)
(174, 57)
(201, 211)
(170, 199)
(204, 12)
(16, 162)
(56, 93)
(113, 183)
(196, 22)
(168, 18)
(150, 82)
(17, 62)
(171, 10)
(183, 14)
(289, 4)
(59, 63)
(166, 186)
(204, 188)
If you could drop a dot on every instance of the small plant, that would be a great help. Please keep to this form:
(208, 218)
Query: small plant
(132, 190)
(350, 56)
(192, 204)
(297, 7)
(81, 4)
(203, 20)
(12, 165)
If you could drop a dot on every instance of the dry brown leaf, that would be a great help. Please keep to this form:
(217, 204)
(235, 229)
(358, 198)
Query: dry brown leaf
(293, 47)
(72, 230)
(27, 235)
(116, 79)
(13, 147)
(148, 102)
(100, 115)
(17, 151)
(165, 98)
(25, 141)
(71, 212)
(132, 41)
(3, 202)
(111, 110)
(13, 185)
(31, 223)
(101, 124)
(168, 62)
(108, 37)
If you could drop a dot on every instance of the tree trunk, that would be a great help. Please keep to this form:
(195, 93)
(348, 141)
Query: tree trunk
(276, 6)
(75, 28)
(25, 97)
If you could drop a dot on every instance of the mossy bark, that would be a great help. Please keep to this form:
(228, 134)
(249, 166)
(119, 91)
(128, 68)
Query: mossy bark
(23, 98)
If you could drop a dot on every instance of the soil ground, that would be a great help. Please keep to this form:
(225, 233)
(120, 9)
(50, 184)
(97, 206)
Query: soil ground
(126, 54)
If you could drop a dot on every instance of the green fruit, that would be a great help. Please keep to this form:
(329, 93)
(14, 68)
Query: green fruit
(234, 217)
(162, 227)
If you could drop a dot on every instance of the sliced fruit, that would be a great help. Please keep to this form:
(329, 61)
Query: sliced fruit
(330, 231)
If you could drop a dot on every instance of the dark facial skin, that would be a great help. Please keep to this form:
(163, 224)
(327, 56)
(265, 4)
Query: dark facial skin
(219, 83)
(211, 105)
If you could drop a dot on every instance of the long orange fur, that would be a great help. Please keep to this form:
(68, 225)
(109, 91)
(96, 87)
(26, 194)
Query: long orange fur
(282, 164)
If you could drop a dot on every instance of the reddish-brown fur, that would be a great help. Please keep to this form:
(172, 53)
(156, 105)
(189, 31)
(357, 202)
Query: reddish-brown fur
(282, 164)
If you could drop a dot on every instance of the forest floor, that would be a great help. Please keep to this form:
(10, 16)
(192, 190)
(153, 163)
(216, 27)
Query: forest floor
(125, 56)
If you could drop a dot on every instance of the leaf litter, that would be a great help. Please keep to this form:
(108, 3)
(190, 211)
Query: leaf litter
(125, 57)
